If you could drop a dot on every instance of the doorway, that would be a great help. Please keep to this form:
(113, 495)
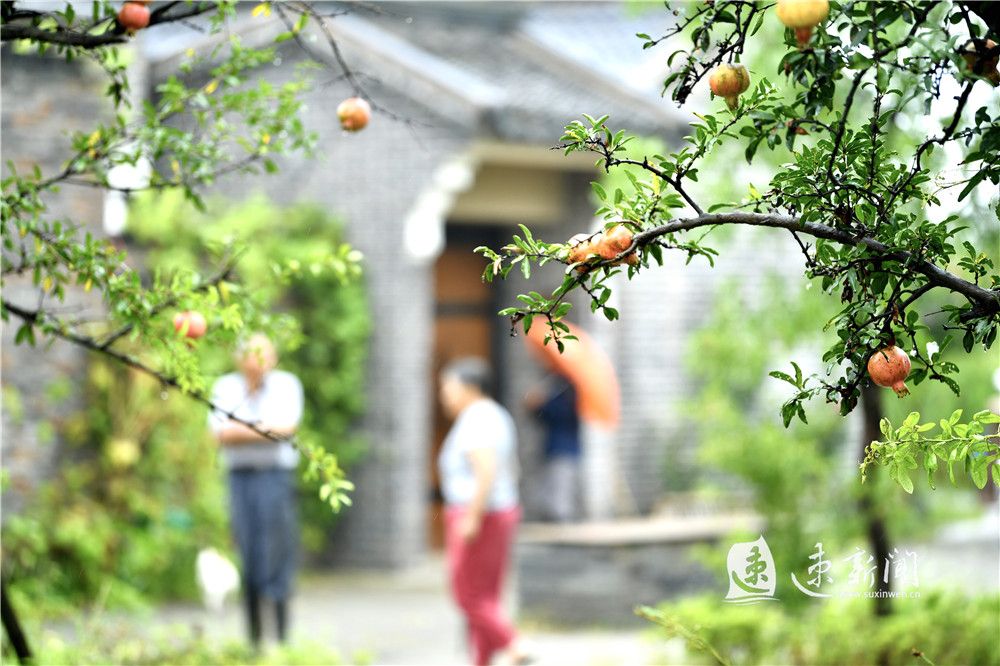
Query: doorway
(465, 324)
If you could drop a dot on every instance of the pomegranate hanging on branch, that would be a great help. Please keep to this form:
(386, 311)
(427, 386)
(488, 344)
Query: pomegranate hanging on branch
(888, 367)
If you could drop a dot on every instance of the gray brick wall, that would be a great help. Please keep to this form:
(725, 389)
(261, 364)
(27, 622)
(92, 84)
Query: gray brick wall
(35, 127)
(660, 310)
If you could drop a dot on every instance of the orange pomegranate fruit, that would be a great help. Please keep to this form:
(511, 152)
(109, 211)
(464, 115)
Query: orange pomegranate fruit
(616, 240)
(133, 16)
(190, 324)
(354, 114)
(985, 66)
(581, 248)
(605, 244)
(802, 16)
(729, 82)
(888, 367)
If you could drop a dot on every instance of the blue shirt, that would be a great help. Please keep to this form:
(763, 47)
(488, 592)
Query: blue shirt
(483, 424)
(561, 421)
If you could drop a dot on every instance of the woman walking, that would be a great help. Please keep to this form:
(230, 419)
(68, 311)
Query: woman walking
(478, 470)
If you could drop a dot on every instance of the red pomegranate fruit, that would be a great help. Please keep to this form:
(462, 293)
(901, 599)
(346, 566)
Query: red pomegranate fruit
(133, 16)
(190, 324)
(354, 114)
(988, 65)
(888, 367)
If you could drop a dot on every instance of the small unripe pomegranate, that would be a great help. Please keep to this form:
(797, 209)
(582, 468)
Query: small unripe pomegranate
(190, 323)
(729, 82)
(133, 16)
(794, 125)
(987, 66)
(888, 367)
(354, 113)
(802, 16)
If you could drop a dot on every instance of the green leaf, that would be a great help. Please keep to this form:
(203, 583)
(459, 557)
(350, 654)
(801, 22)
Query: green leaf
(978, 471)
(931, 465)
(783, 377)
(904, 481)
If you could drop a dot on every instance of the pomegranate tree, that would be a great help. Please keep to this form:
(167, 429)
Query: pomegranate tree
(858, 192)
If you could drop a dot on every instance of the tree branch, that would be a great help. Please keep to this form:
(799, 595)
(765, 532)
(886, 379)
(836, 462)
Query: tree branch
(223, 274)
(38, 317)
(986, 301)
(989, 12)
(87, 40)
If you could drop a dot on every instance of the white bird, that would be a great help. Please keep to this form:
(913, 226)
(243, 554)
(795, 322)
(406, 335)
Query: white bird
(217, 578)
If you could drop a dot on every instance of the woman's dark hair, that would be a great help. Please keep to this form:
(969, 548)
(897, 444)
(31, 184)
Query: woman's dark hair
(471, 371)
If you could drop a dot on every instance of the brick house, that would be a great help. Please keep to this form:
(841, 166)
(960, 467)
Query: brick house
(486, 90)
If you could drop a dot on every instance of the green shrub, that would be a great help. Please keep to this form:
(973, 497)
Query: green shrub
(945, 628)
(136, 495)
(139, 489)
(174, 647)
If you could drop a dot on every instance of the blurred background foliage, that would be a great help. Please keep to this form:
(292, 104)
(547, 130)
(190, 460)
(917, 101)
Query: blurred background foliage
(139, 490)
(803, 480)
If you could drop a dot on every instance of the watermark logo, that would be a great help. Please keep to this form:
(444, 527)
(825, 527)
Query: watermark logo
(752, 576)
(819, 575)
(751, 573)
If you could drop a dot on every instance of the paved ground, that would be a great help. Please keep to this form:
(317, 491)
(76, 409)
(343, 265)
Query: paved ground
(407, 618)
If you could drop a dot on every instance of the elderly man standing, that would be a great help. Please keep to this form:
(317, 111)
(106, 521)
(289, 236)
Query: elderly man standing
(261, 475)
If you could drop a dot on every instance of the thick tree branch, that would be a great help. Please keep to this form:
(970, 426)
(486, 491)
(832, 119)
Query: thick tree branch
(89, 40)
(38, 317)
(986, 301)
(989, 12)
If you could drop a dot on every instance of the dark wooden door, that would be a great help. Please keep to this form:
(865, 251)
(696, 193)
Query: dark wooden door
(465, 324)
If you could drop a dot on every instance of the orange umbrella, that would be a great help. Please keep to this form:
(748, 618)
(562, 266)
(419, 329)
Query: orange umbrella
(585, 365)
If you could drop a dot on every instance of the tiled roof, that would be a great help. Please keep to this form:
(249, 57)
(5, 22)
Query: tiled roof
(554, 60)
(526, 68)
